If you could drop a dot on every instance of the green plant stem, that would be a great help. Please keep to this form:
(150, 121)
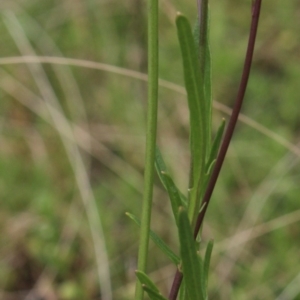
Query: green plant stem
(150, 139)
(228, 135)
(234, 116)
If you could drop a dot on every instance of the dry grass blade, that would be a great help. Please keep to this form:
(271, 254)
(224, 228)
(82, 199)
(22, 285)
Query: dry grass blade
(143, 77)
(73, 153)
(253, 210)
(81, 137)
(292, 290)
(247, 235)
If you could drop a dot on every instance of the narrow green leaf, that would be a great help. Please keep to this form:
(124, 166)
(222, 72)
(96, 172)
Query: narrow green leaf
(153, 294)
(199, 135)
(182, 291)
(205, 62)
(213, 155)
(144, 279)
(201, 37)
(167, 181)
(174, 194)
(207, 176)
(184, 200)
(203, 282)
(210, 167)
(158, 241)
(190, 262)
(206, 264)
(208, 93)
(160, 166)
(215, 146)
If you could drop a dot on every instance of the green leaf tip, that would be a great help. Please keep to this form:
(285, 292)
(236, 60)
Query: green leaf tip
(149, 287)
(145, 280)
(199, 135)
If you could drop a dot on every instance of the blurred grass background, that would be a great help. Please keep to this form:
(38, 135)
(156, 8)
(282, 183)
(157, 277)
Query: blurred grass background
(72, 149)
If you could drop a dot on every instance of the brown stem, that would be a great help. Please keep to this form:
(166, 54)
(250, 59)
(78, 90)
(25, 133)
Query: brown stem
(199, 3)
(176, 285)
(228, 134)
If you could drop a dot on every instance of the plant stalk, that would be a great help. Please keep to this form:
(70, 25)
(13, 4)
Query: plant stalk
(150, 140)
(228, 134)
(234, 116)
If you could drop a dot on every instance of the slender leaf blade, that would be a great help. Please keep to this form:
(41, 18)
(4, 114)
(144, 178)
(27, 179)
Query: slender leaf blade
(213, 155)
(153, 294)
(158, 241)
(184, 200)
(190, 262)
(207, 176)
(205, 62)
(195, 94)
(206, 264)
(160, 166)
(182, 291)
(202, 279)
(173, 192)
(215, 146)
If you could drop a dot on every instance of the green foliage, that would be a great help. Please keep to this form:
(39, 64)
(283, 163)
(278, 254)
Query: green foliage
(152, 294)
(144, 279)
(206, 264)
(213, 154)
(215, 146)
(175, 196)
(149, 286)
(198, 86)
(158, 241)
(43, 223)
(199, 134)
(191, 265)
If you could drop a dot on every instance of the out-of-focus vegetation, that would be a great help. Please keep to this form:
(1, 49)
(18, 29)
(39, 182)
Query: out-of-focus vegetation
(72, 149)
